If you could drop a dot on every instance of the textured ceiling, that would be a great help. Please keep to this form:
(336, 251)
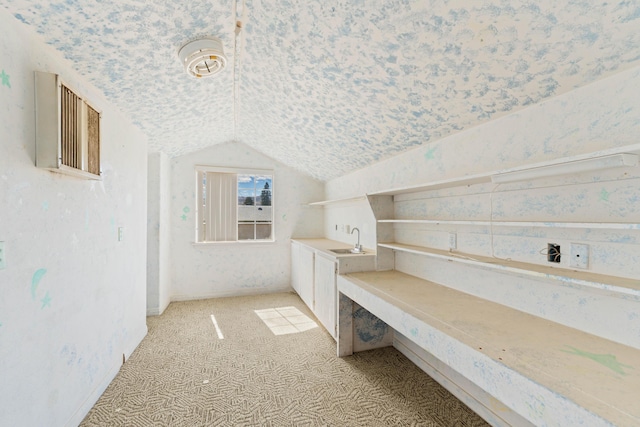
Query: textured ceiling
(331, 86)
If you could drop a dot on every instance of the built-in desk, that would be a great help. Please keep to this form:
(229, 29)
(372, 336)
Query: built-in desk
(505, 364)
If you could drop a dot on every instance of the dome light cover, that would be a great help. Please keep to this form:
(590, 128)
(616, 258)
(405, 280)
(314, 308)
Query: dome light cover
(203, 57)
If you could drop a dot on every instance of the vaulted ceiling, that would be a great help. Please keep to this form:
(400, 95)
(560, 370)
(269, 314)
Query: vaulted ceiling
(331, 86)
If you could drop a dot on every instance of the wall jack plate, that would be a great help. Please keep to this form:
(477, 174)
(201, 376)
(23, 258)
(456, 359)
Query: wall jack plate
(453, 241)
(579, 256)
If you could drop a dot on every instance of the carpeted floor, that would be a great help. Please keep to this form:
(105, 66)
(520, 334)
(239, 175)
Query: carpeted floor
(183, 374)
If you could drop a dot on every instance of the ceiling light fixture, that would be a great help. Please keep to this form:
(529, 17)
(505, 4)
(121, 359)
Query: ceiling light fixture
(203, 57)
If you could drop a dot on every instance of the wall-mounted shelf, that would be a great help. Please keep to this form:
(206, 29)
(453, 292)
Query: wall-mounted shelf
(616, 157)
(566, 167)
(338, 201)
(571, 277)
(438, 185)
(598, 225)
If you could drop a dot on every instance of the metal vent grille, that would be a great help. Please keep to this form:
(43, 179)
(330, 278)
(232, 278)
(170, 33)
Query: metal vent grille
(93, 149)
(70, 130)
(79, 133)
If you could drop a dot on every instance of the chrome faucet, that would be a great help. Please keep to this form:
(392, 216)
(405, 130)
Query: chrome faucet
(358, 246)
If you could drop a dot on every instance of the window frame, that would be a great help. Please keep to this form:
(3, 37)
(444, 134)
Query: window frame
(199, 195)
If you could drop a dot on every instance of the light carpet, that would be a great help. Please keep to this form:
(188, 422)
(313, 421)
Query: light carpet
(184, 374)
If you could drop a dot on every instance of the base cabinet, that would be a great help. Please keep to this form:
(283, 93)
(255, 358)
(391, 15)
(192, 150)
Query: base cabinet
(302, 273)
(314, 276)
(325, 291)
(295, 266)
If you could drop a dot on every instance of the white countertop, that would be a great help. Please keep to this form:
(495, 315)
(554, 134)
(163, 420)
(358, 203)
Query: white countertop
(325, 245)
(600, 375)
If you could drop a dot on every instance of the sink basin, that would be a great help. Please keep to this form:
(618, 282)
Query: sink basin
(345, 251)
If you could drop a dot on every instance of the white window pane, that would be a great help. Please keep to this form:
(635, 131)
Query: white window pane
(234, 205)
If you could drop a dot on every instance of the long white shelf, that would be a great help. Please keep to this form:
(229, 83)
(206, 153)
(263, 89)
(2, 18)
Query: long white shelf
(438, 185)
(600, 225)
(490, 176)
(565, 276)
(338, 201)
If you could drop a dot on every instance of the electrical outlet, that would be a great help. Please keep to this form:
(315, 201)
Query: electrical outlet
(453, 241)
(120, 234)
(347, 229)
(579, 256)
(3, 263)
(553, 252)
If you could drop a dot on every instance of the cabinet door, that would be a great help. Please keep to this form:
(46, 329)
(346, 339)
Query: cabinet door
(326, 306)
(305, 286)
(295, 267)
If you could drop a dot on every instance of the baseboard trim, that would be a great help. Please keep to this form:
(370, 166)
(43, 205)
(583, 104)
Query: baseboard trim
(232, 293)
(157, 311)
(93, 397)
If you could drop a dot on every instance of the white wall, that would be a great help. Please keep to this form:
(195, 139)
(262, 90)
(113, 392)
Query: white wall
(204, 271)
(158, 233)
(352, 214)
(72, 296)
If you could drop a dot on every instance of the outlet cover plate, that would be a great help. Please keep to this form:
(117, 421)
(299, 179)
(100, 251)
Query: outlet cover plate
(579, 256)
(453, 241)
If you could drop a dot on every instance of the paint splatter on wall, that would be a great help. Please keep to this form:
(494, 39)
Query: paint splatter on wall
(35, 283)
(4, 78)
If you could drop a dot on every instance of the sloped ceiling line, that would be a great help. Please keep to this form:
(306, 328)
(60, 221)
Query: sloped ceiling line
(239, 20)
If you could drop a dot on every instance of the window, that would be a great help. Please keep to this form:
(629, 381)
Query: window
(234, 205)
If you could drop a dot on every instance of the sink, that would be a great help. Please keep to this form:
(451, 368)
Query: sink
(345, 251)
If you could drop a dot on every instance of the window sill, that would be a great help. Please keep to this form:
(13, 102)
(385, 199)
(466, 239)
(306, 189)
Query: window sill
(237, 243)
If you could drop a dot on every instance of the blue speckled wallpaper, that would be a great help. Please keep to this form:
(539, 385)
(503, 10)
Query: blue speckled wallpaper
(329, 87)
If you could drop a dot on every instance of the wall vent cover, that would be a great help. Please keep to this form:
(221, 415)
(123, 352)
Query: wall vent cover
(67, 129)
